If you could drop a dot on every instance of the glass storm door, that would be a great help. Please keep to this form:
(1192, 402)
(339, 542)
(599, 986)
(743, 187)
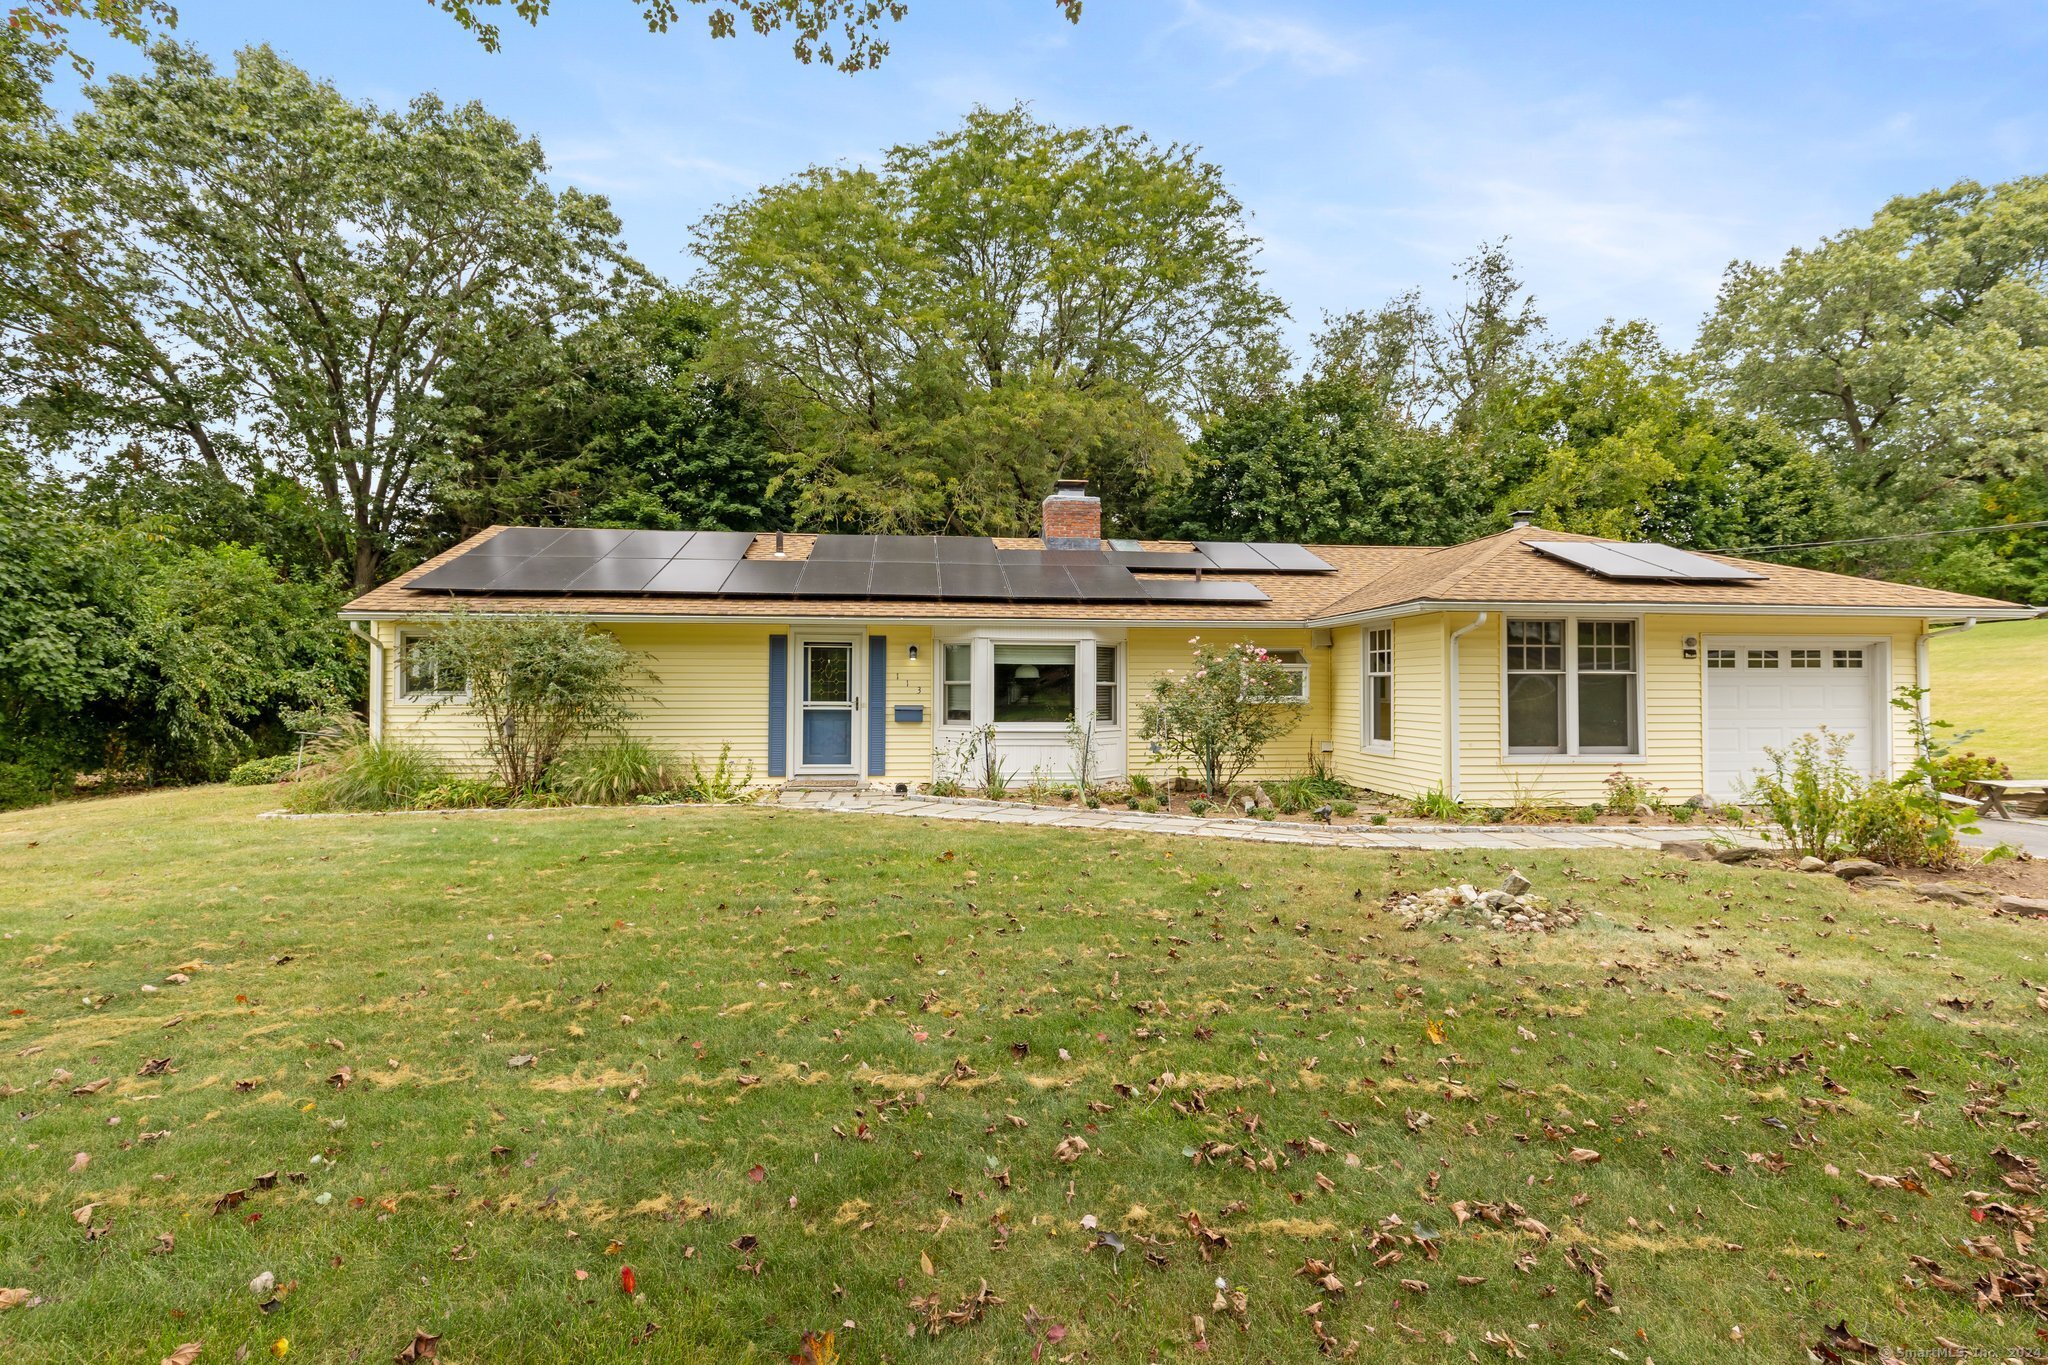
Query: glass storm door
(827, 705)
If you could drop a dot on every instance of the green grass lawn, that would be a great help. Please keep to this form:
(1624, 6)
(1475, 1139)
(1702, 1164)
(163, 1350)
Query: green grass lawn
(1995, 679)
(811, 1072)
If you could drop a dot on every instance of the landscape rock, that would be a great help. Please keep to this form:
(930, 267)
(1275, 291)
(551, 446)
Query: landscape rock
(2022, 905)
(1948, 891)
(1739, 853)
(1884, 884)
(1506, 909)
(1849, 868)
(1689, 848)
(1812, 864)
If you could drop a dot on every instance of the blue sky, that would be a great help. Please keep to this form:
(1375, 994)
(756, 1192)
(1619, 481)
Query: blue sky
(1629, 151)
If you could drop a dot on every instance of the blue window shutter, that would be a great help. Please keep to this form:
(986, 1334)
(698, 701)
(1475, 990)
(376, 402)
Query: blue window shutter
(878, 710)
(778, 706)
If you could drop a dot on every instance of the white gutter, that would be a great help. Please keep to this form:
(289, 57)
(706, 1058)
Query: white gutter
(1922, 676)
(369, 637)
(1451, 705)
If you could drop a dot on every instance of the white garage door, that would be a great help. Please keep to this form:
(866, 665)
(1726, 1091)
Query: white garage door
(1763, 694)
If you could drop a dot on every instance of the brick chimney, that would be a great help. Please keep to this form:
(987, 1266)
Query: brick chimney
(1073, 520)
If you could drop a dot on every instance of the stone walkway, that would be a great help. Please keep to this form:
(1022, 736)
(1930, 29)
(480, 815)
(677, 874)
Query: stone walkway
(1259, 831)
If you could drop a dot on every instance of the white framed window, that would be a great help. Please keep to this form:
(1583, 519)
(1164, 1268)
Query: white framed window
(421, 678)
(1805, 658)
(1848, 658)
(956, 686)
(1763, 658)
(1295, 664)
(1720, 658)
(1108, 699)
(1379, 687)
(1573, 686)
(1034, 684)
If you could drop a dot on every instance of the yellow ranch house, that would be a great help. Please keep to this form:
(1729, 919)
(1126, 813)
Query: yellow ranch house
(1529, 663)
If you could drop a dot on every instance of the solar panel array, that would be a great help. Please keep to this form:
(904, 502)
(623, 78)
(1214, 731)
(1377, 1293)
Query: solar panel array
(1642, 562)
(538, 560)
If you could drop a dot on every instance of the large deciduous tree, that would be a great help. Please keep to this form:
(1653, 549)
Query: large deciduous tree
(904, 313)
(1913, 350)
(253, 270)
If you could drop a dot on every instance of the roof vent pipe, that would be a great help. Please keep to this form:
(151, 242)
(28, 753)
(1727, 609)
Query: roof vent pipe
(1522, 519)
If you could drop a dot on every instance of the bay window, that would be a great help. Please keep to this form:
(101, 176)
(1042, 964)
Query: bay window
(1572, 686)
(1379, 687)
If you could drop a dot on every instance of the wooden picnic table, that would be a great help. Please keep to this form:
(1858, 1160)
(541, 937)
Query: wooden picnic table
(1991, 794)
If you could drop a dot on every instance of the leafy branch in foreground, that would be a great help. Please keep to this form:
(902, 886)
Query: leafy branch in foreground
(859, 23)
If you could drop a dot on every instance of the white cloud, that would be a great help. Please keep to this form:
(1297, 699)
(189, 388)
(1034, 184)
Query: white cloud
(1256, 38)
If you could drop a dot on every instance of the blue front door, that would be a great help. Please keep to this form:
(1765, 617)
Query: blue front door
(826, 723)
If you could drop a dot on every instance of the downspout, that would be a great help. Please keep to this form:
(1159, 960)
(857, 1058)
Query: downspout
(1922, 676)
(1451, 703)
(369, 636)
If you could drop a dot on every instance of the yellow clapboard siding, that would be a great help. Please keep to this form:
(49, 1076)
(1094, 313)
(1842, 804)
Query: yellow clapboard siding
(1415, 762)
(708, 687)
(1674, 736)
(1152, 653)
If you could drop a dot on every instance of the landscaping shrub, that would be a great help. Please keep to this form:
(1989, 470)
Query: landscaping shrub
(1316, 787)
(259, 772)
(614, 772)
(1586, 815)
(360, 774)
(29, 784)
(542, 687)
(1436, 804)
(464, 793)
(1809, 790)
(721, 784)
(1222, 712)
(1199, 807)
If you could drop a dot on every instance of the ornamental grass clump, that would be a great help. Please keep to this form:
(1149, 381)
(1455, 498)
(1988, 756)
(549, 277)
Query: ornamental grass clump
(1219, 714)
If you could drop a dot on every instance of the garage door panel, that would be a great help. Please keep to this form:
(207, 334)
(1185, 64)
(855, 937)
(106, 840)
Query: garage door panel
(1766, 694)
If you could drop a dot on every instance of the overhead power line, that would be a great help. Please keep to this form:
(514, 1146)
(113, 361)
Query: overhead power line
(1874, 540)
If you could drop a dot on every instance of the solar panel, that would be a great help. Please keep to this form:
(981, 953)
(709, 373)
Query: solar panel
(834, 578)
(972, 582)
(465, 573)
(897, 578)
(1128, 546)
(615, 573)
(915, 549)
(593, 544)
(839, 547)
(1039, 583)
(1162, 561)
(652, 544)
(763, 578)
(1214, 592)
(544, 573)
(1234, 557)
(518, 541)
(1291, 558)
(1641, 562)
(966, 550)
(690, 577)
(726, 545)
(1106, 583)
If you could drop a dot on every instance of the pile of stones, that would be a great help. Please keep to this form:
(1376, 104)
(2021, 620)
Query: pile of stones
(1511, 908)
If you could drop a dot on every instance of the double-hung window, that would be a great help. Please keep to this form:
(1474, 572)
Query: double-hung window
(421, 677)
(957, 684)
(1572, 686)
(1379, 687)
